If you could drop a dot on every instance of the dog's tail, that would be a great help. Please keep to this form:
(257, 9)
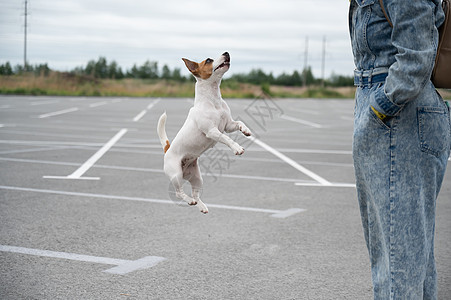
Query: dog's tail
(162, 132)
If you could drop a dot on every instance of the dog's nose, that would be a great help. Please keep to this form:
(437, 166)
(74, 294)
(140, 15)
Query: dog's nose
(227, 56)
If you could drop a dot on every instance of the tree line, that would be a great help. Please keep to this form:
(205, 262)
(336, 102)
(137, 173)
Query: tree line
(150, 70)
(7, 70)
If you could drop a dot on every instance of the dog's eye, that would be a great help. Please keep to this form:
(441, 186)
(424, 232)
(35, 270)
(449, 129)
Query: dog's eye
(209, 60)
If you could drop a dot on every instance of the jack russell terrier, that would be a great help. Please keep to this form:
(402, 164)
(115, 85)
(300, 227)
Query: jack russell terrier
(207, 120)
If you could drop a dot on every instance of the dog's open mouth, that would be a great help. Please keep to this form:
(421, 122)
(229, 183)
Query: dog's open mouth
(226, 63)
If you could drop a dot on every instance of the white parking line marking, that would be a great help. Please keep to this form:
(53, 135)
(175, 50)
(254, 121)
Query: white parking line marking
(305, 111)
(57, 113)
(345, 185)
(149, 107)
(158, 146)
(56, 143)
(39, 161)
(123, 266)
(273, 212)
(304, 122)
(97, 104)
(147, 170)
(291, 162)
(139, 116)
(92, 160)
(35, 150)
(43, 102)
(2, 125)
(316, 151)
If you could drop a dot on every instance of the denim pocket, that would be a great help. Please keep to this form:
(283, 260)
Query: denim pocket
(434, 129)
(384, 123)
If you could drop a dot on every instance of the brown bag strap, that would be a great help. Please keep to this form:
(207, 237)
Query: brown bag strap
(385, 13)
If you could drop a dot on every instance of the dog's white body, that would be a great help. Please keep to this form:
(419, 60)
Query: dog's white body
(207, 120)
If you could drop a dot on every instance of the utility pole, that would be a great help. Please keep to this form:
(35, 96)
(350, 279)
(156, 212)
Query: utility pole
(304, 72)
(25, 38)
(323, 64)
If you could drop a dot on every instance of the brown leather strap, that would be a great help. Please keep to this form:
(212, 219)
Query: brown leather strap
(385, 13)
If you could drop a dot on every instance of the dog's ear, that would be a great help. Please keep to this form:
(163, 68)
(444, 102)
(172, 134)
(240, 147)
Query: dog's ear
(192, 66)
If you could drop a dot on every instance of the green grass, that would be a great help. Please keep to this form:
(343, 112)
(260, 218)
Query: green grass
(66, 84)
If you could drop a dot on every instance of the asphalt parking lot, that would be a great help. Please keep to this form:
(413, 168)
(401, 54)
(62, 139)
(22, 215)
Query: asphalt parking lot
(86, 211)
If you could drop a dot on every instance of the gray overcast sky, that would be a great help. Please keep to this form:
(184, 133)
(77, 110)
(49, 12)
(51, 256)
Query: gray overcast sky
(262, 34)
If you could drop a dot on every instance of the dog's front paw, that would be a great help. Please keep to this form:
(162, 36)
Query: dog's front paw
(245, 130)
(238, 150)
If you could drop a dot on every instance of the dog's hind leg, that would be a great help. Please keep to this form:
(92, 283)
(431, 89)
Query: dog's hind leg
(193, 175)
(179, 192)
(175, 174)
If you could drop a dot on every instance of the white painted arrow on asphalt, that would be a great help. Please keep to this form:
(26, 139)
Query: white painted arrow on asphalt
(123, 266)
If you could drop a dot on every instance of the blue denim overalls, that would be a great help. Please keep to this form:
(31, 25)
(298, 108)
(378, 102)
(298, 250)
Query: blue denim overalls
(399, 161)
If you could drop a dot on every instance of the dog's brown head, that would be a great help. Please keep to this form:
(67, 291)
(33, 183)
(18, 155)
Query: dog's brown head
(209, 68)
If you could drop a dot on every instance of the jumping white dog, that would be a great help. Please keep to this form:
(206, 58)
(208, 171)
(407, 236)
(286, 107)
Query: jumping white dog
(207, 120)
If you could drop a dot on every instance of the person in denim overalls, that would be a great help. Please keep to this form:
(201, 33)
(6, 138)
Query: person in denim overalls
(401, 143)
